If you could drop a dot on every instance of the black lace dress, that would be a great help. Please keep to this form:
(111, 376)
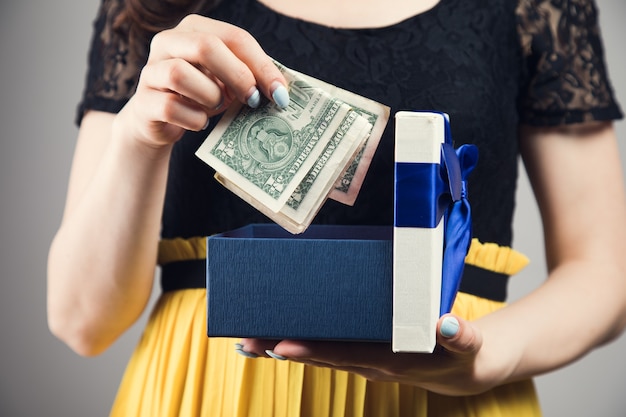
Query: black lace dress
(491, 65)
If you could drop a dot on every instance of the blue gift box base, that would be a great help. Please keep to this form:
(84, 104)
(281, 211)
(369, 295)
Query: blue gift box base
(328, 283)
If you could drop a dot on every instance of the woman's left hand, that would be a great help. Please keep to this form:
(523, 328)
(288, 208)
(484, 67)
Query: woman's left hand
(451, 369)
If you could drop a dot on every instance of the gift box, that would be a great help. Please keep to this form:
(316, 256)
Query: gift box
(328, 283)
(432, 226)
(355, 283)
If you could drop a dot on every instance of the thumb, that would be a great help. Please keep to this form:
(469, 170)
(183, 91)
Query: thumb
(458, 335)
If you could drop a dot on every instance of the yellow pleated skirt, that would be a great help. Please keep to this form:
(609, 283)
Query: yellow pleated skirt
(176, 370)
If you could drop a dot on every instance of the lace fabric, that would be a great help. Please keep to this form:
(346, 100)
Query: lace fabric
(490, 65)
(560, 40)
(562, 46)
(113, 70)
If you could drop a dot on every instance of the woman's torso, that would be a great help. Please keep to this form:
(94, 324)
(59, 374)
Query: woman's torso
(460, 57)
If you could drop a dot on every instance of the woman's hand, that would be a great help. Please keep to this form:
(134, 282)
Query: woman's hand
(452, 369)
(194, 71)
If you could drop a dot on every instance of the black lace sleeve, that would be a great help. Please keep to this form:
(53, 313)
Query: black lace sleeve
(567, 80)
(113, 68)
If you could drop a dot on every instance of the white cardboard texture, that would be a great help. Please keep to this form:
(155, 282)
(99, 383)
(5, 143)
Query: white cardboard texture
(417, 252)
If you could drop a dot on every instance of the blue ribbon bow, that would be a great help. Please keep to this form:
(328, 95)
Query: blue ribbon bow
(427, 192)
(458, 220)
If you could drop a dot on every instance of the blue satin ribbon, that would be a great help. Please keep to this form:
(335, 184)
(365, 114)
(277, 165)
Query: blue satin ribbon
(458, 223)
(426, 193)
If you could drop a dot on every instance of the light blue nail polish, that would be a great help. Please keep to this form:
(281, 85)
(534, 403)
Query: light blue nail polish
(281, 96)
(271, 354)
(247, 354)
(449, 327)
(255, 99)
(238, 346)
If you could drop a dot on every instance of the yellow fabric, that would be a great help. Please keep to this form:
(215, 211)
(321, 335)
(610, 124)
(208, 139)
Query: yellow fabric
(178, 249)
(177, 371)
(495, 258)
(491, 256)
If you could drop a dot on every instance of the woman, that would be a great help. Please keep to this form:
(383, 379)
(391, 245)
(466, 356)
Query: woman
(521, 78)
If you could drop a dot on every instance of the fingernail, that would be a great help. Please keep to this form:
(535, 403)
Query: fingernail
(238, 346)
(247, 354)
(254, 98)
(206, 124)
(220, 105)
(271, 354)
(449, 327)
(280, 94)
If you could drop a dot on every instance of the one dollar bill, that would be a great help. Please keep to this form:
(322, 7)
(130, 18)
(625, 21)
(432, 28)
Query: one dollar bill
(287, 162)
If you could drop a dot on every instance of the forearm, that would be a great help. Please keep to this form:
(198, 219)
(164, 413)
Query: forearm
(577, 178)
(102, 260)
(581, 306)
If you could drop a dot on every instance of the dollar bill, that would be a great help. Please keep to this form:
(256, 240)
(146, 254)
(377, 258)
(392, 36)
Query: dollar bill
(267, 151)
(347, 188)
(297, 214)
(287, 162)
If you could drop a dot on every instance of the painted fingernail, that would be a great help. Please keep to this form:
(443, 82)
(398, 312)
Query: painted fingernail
(220, 105)
(449, 327)
(254, 98)
(208, 120)
(247, 354)
(280, 94)
(238, 346)
(271, 354)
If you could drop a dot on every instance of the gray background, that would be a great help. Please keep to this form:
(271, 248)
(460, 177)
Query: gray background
(43, 46)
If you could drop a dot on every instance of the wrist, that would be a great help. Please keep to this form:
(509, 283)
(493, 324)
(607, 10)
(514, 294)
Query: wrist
(151, 139)
(141, 162)
(498, 359)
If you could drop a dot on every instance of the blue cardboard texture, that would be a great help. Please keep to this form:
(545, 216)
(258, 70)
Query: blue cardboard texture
(329, 283)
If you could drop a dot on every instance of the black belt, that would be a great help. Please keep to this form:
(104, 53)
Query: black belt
(476, 281)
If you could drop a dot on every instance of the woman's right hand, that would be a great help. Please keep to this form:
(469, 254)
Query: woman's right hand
(194, 71)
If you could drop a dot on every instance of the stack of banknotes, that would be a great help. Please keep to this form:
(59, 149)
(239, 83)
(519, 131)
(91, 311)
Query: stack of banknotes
(287, 162)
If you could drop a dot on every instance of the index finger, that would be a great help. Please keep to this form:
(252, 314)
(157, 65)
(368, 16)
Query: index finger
(229, 53)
